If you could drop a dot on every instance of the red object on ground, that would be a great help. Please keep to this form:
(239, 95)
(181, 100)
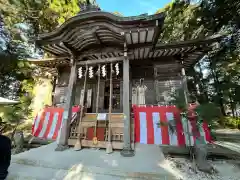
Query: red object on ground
(100, 133)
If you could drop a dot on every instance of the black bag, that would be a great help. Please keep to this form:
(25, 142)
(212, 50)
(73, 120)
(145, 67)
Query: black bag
(5, 156)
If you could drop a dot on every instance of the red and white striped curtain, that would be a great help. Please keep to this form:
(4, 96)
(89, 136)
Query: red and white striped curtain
(48, 122)
(148, 131)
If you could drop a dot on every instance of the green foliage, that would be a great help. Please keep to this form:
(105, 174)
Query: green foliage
(220, 81)
(208, 112)
(64, 9)
(24, 20)
(231, 122)
(178, 99)
(40, 15)
(181, 22)
(30, 12)
(15, 79)
(16, 113)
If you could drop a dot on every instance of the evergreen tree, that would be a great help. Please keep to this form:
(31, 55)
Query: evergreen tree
(220, 81)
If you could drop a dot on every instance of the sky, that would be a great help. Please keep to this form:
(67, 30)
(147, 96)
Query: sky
(132, 7)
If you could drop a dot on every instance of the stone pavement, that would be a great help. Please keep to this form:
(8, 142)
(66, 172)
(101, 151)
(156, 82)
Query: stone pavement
(88, 164)
(229, 145)
(229, 139)
(228, 131)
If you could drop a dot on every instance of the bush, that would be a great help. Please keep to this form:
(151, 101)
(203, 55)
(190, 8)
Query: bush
(231, 122)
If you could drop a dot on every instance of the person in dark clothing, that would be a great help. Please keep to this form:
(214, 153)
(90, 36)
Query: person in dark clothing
(5, 156)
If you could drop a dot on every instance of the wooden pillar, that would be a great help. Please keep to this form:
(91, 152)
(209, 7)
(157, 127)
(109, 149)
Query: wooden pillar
(186, 97)
(62, 140)
(185, 87)
(127, 151)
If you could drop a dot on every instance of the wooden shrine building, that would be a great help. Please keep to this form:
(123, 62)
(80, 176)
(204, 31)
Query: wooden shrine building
(102, 60)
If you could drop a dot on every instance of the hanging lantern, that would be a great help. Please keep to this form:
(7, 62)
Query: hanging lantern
(80, 73)
(117, 69)
(91, 72)
(104, 73)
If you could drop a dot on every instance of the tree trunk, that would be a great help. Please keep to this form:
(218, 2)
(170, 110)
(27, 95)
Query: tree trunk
(19, 142)
(220, 94)
(203, 90)
(14, 131)
(232, 105)
(200, 152)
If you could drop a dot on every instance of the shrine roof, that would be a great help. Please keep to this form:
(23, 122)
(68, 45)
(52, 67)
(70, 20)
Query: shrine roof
(94, 36)
(94, 29)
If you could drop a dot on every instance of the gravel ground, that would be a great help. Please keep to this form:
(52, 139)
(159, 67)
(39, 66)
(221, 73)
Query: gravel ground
(183, 170)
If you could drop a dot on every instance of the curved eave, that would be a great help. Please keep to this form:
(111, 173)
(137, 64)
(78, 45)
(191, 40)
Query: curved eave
(191, 51)
(100, 16)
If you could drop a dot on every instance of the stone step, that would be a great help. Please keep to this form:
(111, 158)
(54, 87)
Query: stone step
(23, 169)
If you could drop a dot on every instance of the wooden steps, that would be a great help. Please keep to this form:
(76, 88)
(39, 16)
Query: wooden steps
(88, 124)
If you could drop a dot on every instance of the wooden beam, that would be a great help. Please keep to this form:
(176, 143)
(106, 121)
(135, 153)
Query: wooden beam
(139, 48)
(97, 60)
(200, 43)
(101, 61)
(51, 50)
(100, 50)
(156, 35)
(70, 49)
(49, 59)
(99, 54)
(97, 38)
